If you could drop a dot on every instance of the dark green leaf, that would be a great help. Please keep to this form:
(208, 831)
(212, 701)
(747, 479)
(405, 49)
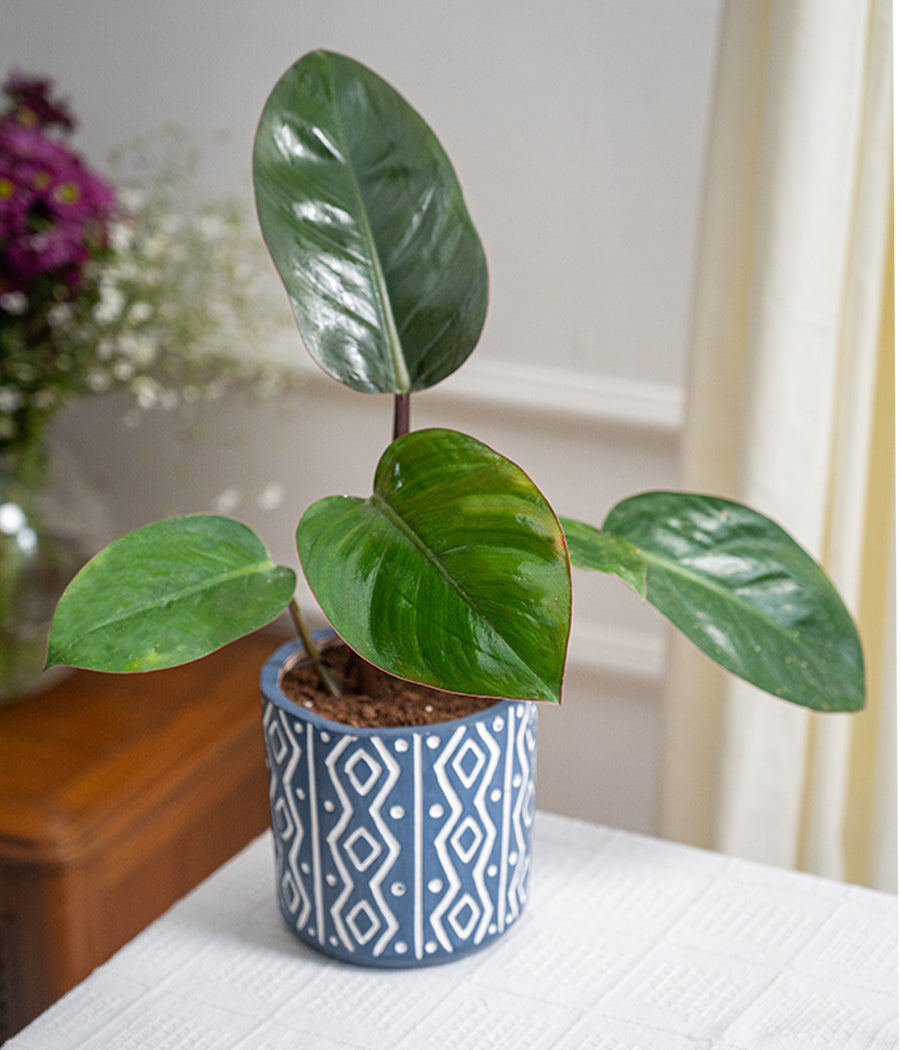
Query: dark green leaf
(453, 573)
(747, 594)
(367, 227)
(166, 594)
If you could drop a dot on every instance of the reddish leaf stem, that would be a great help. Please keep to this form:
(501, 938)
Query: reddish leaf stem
(401, 415)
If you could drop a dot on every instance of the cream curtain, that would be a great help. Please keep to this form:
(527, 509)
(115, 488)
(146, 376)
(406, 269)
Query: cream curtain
(790, 409)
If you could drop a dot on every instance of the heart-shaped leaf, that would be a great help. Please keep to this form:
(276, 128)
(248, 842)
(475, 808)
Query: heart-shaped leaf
(453, 573)
(168, 593)
(367, 226)
(745, 593)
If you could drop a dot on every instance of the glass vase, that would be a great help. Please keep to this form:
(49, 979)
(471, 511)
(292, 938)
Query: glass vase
(48, 530)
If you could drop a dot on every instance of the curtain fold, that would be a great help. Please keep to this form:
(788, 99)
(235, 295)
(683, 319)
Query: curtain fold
(793, 337)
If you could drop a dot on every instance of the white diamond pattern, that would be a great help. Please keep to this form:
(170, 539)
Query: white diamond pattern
(470, 789)
(363, 922)
(464, 925)
(365, 784)
(469, 762)
(362, 849)
(470, 830)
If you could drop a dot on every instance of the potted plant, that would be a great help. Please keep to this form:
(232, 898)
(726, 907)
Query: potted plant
(400, 846)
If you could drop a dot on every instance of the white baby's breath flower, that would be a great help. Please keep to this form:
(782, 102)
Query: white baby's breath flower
(15, 303)
(169, 313)
(227, 502)
(59, 313)
(211, 227)
(139, 349)
(272, 496)
(10, 399)
(111, 303)
(121, 273)
(121, 236)
(155, 246)
(145, 392)
(98, 381)
(132, 199)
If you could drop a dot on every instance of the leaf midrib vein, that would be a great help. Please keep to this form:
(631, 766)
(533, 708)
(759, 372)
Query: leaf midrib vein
(395, 519)
(744, 608)
(186, 592)
(384, 301)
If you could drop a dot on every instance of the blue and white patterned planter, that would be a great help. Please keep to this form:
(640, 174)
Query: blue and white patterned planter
(399, 847)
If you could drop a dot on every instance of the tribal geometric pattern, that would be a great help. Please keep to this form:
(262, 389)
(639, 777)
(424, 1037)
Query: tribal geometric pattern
(400, 847)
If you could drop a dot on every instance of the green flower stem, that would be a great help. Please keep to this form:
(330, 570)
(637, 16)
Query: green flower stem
(329, 678)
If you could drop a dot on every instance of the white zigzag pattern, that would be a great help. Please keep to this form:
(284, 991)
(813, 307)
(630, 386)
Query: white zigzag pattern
(470, 919)
(332, 839)
(517, 892)
(393, 846)
(502, 921)
(335, 843)
(287, 796)
(440, 842)
(487, 907)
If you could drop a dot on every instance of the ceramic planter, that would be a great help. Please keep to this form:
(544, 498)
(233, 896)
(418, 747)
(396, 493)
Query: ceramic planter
(399, 847)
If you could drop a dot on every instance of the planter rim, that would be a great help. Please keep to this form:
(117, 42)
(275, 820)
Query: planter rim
(293, 651)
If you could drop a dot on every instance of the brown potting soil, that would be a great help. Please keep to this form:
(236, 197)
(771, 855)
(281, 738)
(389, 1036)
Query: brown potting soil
(371, 698)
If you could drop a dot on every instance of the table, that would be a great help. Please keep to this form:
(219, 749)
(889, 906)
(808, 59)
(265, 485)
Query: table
(118, 794)
(627, 943)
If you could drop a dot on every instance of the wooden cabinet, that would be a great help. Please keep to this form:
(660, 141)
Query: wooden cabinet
(118, 794)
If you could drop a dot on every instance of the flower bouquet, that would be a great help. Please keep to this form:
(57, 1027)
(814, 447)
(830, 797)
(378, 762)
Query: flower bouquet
(106, 284)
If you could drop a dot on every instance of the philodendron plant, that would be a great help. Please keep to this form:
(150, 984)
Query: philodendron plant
(455, 572)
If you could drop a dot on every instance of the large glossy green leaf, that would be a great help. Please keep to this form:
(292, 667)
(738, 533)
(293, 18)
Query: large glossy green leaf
(453, 573)
(168, 593)
(741, 589)
(367, 226)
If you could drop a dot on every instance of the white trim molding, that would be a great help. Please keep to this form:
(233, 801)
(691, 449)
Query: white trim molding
(579, 396)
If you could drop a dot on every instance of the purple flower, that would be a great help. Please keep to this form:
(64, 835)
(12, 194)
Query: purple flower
(32, 104)
(53, 210)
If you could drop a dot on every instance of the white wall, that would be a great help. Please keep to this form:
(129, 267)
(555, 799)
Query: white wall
(577, 129)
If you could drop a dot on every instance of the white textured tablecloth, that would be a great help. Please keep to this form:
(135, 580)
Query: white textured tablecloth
(627, 943)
